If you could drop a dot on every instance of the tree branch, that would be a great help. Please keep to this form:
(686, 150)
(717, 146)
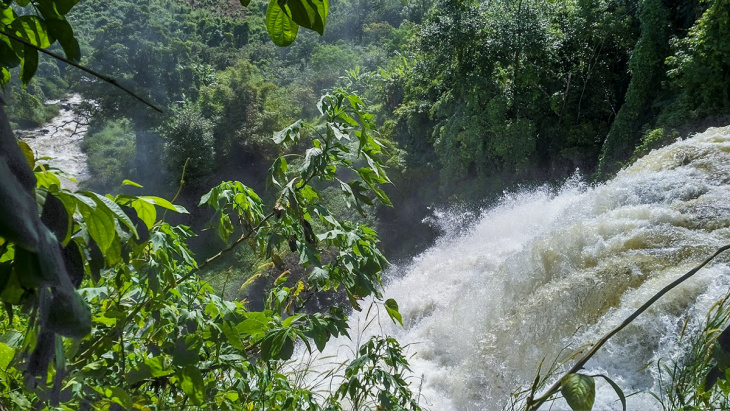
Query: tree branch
(80, 67)
(555, 387)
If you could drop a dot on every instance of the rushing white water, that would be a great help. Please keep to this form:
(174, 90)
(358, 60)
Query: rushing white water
(544, 270)
(60, 140)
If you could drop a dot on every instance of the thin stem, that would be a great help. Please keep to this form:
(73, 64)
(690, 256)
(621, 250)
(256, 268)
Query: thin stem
(179, 188)
(627, 321)
(80, 67)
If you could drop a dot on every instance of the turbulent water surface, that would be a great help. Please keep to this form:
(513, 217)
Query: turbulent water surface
(547, 269)
(60, 139)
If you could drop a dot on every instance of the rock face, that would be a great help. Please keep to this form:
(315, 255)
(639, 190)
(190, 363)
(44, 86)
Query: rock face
(60, 141)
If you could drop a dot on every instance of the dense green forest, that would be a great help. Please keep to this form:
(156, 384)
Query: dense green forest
(476, 97)
(456, 100)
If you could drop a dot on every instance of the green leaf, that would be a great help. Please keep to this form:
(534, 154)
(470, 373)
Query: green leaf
(146, 211)
(8, 57)
(277, 172)
(290, 134)
(62, 31)
(32, 29)
(277, 345)
(579, 391)
(165, 204)
(245, 3)
(130, 183)
(186, 350)
(191, 382)
(30, 64)
(6, 14)
(120, 397)
(142, 372)
(158, 368)
(255, 325)
(392, 307)
(28, 153)
(6, 355)
(64, 6)
(99, 223)
(282, 29)
(311, 14)
(70, 315)
(114, 209)
(12, 292)
(319, 276)
(616, 388)
(5, 75)
(232, 335)
(47, 179)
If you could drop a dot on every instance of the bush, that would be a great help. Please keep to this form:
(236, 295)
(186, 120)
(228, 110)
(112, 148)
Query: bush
(189, 145)
(110, 147)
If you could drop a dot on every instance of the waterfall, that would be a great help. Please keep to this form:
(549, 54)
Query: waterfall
(548, 269)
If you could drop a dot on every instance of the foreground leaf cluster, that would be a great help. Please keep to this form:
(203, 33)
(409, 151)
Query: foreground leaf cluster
(105, 306)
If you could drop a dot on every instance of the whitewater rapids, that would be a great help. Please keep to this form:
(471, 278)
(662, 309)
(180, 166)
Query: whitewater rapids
(549, 269)
(60, 140)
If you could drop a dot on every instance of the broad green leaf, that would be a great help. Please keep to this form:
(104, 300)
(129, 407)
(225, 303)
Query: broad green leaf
(290, 134)
(6, 355)
(158, 367)
(70, 315)
(245, 3)
(255, 325)
(579, 391)
(62, 31)
(277, 345)
(232, 335)
(319, 276)
(47, 179)
(191, 382)
(5, 74)
(120, 397)
(392, 307)
(28, 153)
(142, 372)
(113, 208)
(6, 14)
(616, 388)
(146, 211)
(290, 320)
(166, 204)
(8, 57)
(280, 26)
(12, 291)
(277, 172)
(100, 224)
(311, 14)
(32, 29)
(186, 350)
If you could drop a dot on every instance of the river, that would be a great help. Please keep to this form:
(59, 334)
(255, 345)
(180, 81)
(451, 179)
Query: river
(60, 140)
(548, 269)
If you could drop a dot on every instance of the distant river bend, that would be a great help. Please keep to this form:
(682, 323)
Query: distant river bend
(61, 139)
